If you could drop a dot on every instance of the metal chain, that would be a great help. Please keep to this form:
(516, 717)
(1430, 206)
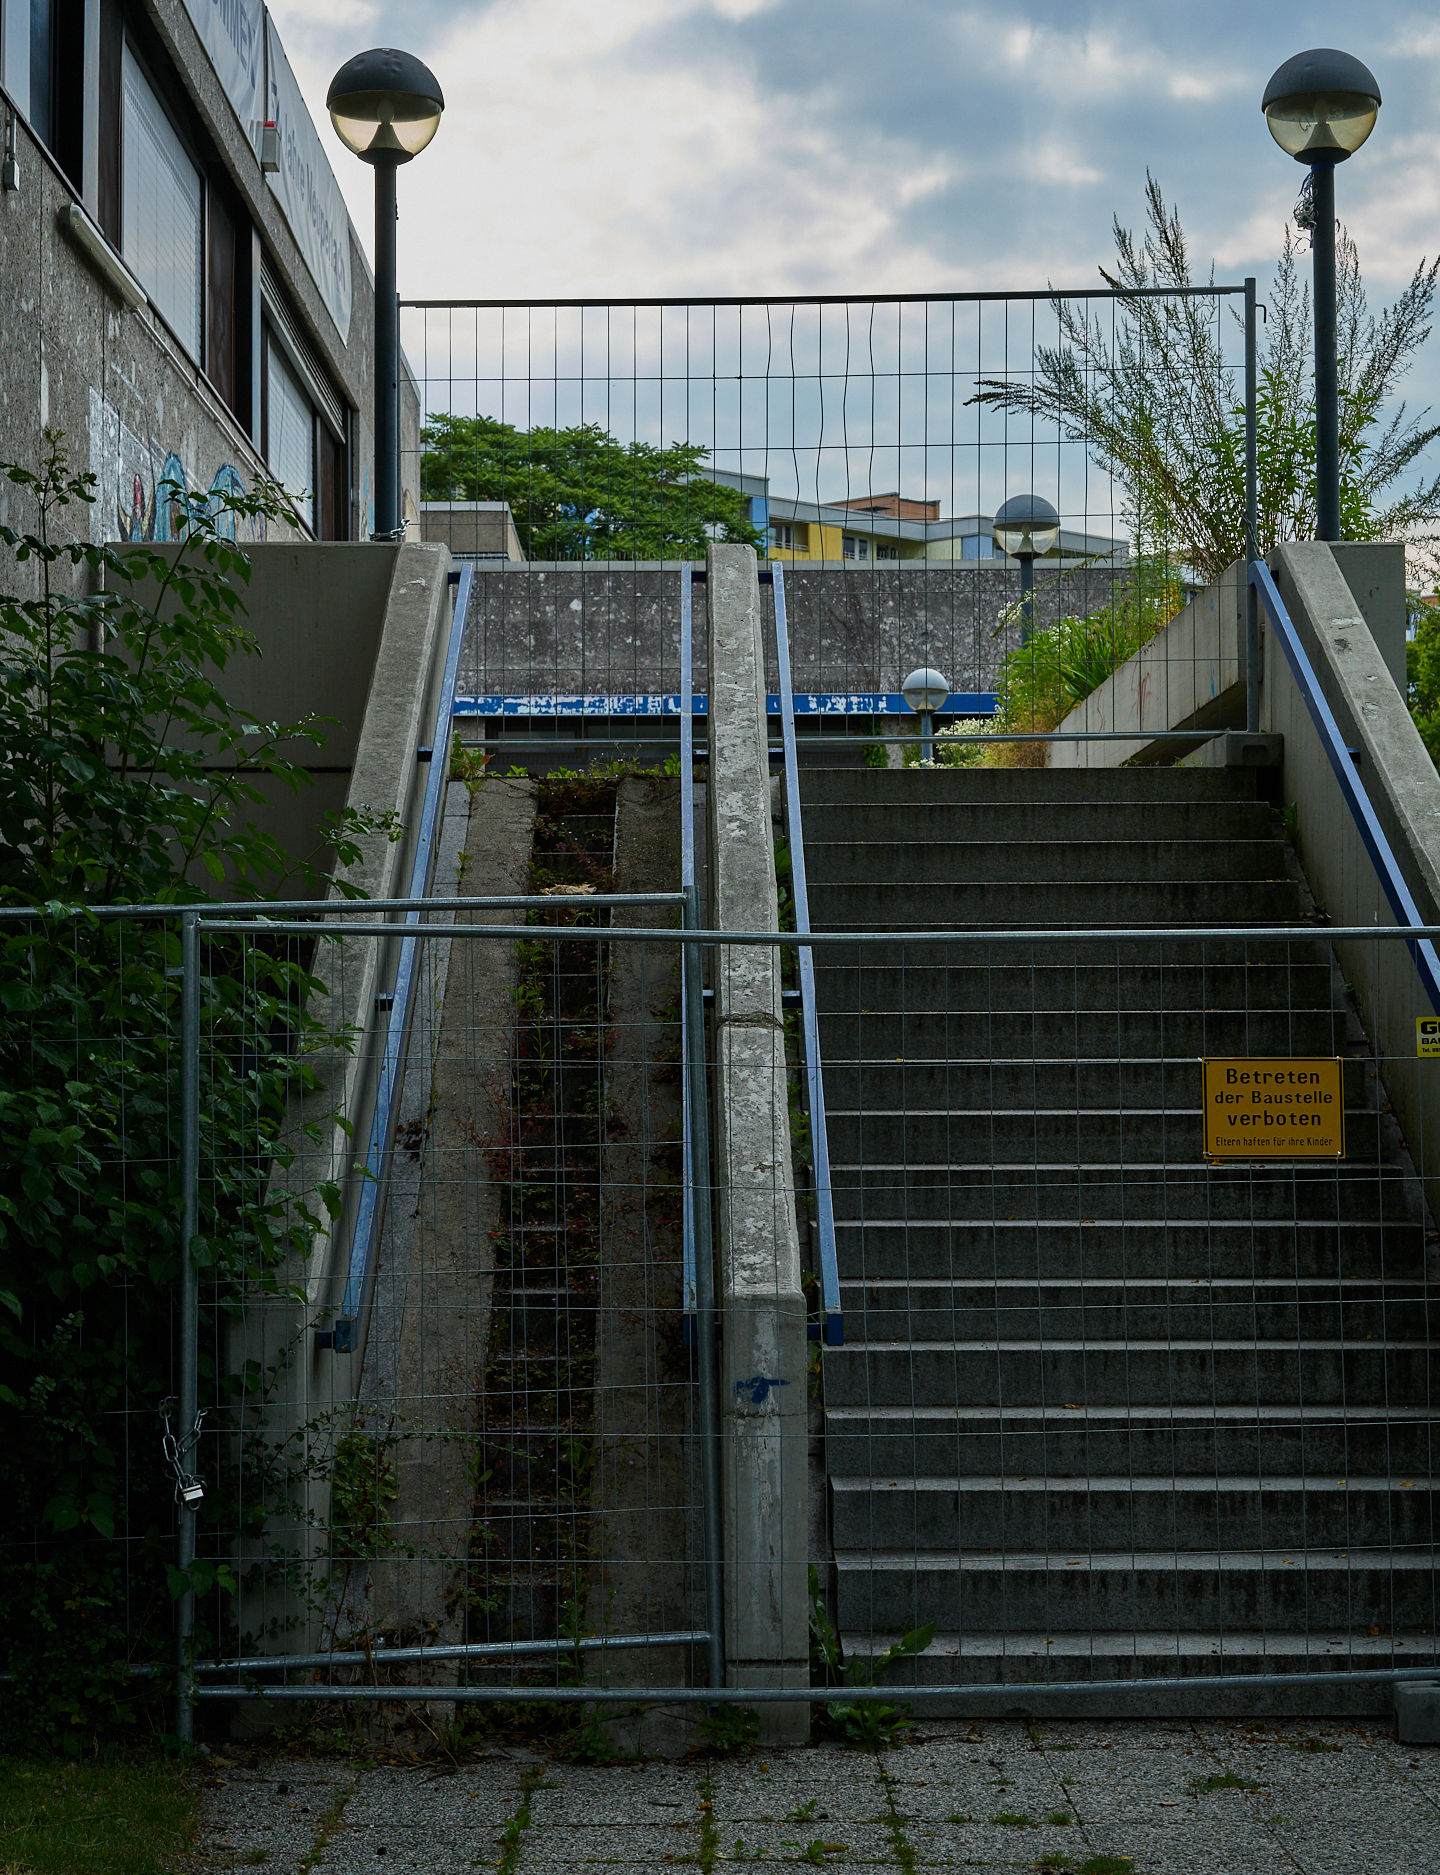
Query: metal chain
(189, 1489)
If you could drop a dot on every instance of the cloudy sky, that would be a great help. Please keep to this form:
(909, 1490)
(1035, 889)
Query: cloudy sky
(617, 148)
(724, 146)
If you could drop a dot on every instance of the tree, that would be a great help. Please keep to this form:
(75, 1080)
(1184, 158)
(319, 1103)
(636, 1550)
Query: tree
(1161, 410)
(580, 494)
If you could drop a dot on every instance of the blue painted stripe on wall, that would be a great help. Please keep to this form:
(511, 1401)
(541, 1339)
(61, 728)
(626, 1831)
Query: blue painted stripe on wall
(807, 703)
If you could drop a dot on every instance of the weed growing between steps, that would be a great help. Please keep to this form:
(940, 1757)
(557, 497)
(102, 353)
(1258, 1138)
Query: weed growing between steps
(865, 1724)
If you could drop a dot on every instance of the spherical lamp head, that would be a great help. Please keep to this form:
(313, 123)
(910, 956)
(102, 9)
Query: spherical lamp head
(925, 690)
(1026, 527)
(385, 105)
(1321, 106)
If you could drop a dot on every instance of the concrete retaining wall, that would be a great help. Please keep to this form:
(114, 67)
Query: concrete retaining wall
(614, 628)
(1404, 790)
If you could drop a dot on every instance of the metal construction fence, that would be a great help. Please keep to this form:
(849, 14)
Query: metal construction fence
(575, 451)
(1115, 1404)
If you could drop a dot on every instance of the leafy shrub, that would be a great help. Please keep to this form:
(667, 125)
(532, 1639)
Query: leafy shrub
(125, 774)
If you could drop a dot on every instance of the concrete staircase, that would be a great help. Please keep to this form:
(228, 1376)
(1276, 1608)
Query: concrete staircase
(1106, 1412)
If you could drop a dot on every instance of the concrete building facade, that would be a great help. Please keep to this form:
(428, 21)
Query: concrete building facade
(182, 294)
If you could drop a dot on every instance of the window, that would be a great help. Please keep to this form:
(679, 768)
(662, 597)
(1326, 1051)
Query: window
(161, 209)
(793, 535)
(977, 547)
(854, 547)
(289, 432)
(887, 553)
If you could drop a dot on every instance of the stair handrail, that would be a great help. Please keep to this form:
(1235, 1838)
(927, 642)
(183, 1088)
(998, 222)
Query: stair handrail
(343, 1337)
(1382, 857)
(832, 1325)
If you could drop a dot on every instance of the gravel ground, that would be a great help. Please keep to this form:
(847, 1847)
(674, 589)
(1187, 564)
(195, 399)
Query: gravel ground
(1161, 1798)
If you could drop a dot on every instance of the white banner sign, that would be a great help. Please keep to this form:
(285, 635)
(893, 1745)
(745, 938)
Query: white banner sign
(305, 186)
(233, 33)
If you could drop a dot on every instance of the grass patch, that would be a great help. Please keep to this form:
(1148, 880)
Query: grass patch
(957, 1816)
(1008, 1819)
(1223, 1780)
(1060, 1816)
(1108, 1865)
(1057, 1858)
(112, 1817)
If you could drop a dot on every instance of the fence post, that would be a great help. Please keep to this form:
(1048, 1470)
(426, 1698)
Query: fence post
(692, 964)
(189, 1298)
(1252, 549)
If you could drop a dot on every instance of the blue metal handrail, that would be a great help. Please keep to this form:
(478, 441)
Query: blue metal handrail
(833, 1318)
(344, 1336)
(687, 888)
(1392, 881)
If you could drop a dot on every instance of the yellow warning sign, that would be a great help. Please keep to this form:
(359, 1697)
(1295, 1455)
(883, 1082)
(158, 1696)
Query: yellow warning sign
(1281, 1107)
(1427, 1035)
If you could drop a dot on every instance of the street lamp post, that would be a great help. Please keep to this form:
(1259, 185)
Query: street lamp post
(1321, 106)
(1026, 528)
(925, 691)
(385, 106)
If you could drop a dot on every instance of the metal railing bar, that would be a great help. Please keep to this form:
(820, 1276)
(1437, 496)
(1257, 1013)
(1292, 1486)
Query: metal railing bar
(1372, 834)
(263, 910)
(687, 881)
(468, 1650)
(621, 934)
(1043, 295)
(832, 1317)
(341, 1337)
(824, 1695)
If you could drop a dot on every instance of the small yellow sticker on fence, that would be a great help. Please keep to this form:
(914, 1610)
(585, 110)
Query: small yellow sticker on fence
(1281, 1107)
(1427, 1035)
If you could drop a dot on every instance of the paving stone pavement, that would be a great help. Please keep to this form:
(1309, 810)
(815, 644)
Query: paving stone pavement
(1156, 1797)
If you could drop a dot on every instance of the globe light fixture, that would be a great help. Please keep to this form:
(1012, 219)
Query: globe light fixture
(386, 107)
(1321, 106)
(925, 690)
(1026, 528)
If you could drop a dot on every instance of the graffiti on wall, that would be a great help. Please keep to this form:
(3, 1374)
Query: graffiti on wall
(142, 486)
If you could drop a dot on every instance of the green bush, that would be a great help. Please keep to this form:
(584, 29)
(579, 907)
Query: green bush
(1042, 681)
(125, 774)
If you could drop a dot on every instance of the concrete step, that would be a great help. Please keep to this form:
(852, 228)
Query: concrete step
(1198, 1669)
(1018, 821)
(1109, 1248)
(1133, 1441)
(926, 943)
(927, 1136)
(1173, 1191)
(1087, 1034)
(994, 1372)
(1033, 904)
(1145, 1307)
(965, 863)
(1328, 1592)
(907, 787)
(1078, 1083)
(957, 982)
(877, 1515)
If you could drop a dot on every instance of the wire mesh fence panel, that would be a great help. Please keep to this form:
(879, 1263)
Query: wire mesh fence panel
(500, 1468)
(1020, 491)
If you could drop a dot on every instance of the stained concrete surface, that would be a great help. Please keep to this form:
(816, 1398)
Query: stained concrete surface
(1168, 1798)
